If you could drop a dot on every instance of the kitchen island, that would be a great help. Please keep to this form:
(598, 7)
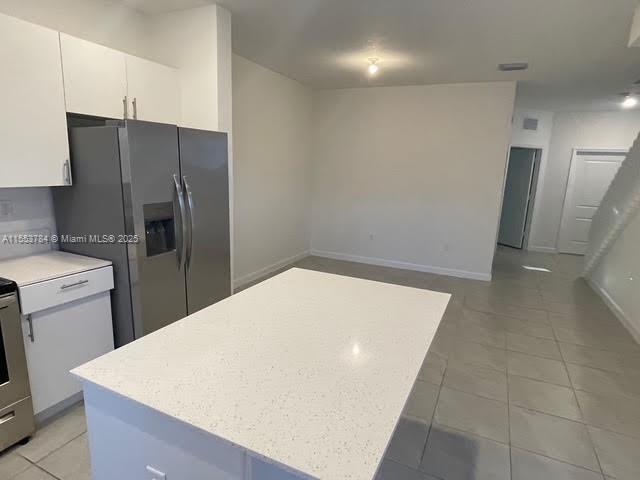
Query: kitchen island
(302, 376)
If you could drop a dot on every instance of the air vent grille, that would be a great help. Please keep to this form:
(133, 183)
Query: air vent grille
(530, 124)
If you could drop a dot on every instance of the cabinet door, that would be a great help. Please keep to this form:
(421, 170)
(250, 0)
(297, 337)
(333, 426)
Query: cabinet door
(95, 78)
(64, 338)
(153, 90)
(34, 150)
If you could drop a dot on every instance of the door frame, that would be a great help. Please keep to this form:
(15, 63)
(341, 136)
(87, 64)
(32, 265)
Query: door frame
(570, 185)
(535, 187)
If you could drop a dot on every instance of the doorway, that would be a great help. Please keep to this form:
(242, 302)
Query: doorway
(519, 196)
(590, 175)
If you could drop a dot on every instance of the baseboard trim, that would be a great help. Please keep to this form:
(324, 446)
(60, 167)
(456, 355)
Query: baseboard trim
(239, 282)
(633, 329)
(533, 248)
(404, 265)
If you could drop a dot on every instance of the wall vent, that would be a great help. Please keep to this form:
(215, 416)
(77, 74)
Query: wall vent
(530, 124)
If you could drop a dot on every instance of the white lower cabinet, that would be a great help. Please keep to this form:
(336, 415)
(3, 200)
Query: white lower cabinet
(72, 330)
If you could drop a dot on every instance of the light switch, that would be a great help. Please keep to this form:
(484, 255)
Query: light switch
(156, 474)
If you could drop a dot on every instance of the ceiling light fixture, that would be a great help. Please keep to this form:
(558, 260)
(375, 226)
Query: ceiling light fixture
(629, 101)
(373, 67)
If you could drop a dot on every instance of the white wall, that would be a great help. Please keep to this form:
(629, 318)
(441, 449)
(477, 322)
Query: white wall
(617, 277)
(272, 140)
(194, 41)
(540, 139)
(101, 21)
(411, 176)
(598, 130)
(25, 210)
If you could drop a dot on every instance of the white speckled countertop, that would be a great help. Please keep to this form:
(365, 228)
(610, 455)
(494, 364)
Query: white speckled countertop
(47, 266)
(308, 369)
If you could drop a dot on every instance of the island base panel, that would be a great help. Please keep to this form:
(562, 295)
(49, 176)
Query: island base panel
(126, 437)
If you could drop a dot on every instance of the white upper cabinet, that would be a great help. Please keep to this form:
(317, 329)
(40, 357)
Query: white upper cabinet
(34, 150)
(95, 78)
(153, 90)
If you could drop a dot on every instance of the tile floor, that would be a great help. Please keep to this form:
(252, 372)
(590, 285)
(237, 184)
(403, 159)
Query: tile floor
(530, 377)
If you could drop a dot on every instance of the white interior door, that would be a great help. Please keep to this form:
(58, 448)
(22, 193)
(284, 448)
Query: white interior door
(589, 178)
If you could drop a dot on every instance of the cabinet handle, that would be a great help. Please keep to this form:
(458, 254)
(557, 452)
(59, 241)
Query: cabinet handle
(30, 334)
(125, 107)
(135, 108)
(9, 416)
(76, 284)
(66, 172)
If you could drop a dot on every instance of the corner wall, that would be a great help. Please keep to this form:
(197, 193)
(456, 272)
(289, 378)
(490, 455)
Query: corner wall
(411, 177)
(617, 277)
(597, 130)
(272, 152)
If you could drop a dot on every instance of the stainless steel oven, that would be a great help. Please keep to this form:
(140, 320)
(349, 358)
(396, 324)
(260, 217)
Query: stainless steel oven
(16, 409)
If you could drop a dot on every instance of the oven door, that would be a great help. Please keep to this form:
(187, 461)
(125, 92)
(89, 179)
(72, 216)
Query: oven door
(14, 379)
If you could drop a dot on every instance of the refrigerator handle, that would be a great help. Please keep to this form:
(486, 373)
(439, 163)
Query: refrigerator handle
(181, 235)
(189, 195)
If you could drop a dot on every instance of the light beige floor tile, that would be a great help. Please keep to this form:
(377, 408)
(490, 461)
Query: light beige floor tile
(390, 470)
(477, 379)
(601, 381)
(475, 333)
(54, 435)
(473, 414)
(591, 357)
(553, 437)
(456, 455)
(433, 369)
(407, 443)
(71, 462)
(530, 466)
(538, 368)
(543, 397)
(476, 353)
(12, 464)
(619, 414)
(618, 454)
(422, 401)
(33, 473)
(540, 347)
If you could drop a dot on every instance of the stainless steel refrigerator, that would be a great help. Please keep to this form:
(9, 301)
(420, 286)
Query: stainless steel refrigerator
(153, 199)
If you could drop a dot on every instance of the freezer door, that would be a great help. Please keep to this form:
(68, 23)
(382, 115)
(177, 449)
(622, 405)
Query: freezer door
(204, 165)
(94, 206)
(154, 209)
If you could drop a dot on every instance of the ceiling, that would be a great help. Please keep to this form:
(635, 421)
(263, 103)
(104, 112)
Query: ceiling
(577, 49)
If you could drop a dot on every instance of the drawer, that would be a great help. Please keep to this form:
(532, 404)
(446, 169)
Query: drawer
(16, 423)
(43, 295)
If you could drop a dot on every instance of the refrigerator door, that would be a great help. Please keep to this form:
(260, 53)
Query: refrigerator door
(154, 211)
(204, 165)
(94, 206)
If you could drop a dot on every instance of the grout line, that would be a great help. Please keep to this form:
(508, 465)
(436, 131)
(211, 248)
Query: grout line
(509, 427)
(575, 396)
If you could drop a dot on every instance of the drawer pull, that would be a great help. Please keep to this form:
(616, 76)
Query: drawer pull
(31, 336)
(9, 416)
(77, 284)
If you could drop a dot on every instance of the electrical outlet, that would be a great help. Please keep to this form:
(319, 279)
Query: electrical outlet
(156, 474)
(6, 208)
